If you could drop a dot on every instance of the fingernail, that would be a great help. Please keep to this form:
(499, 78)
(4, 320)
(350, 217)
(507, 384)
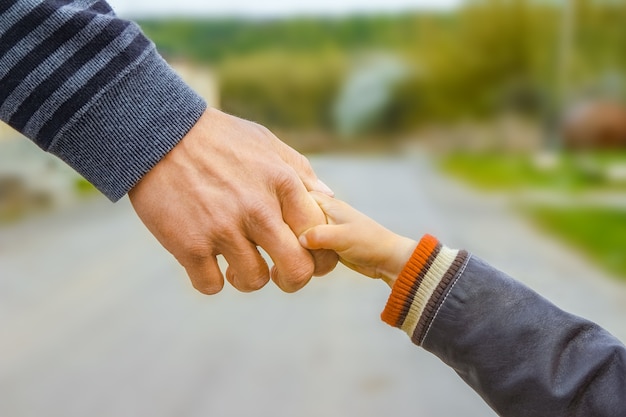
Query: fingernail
(302, 240)
(323, 188)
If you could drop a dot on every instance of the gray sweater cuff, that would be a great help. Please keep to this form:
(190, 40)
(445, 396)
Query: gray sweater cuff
(124, 132)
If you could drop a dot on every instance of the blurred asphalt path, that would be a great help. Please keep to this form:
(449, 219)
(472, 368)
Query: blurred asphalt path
(97, 320)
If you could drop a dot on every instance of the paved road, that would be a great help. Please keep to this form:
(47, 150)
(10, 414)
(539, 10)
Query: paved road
(97, 320)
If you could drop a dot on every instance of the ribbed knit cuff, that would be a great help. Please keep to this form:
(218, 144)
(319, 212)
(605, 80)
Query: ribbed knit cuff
(124, 132)
(421, 287)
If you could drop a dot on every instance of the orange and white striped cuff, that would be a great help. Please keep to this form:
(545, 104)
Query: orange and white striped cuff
(421, 287)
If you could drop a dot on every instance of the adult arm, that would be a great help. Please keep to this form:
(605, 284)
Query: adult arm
(522, 354)
(90, 88)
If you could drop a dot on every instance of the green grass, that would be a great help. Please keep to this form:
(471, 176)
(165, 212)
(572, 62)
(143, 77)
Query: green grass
(490, 171)
(496, 171)
(600, 233)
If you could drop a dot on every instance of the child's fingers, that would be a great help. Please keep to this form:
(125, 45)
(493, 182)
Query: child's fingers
(336, 211)
(323, 237)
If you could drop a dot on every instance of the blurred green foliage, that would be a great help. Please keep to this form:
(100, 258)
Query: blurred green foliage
(82, 187)
(495, 171)
(567, 172)
(280, 89)
(487, 57)
(567, 204)
(213, 41)
(600, 233)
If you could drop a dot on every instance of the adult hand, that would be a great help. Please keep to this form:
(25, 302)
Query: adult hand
(228, 186)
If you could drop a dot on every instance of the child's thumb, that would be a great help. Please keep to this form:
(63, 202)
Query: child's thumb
(320, 237)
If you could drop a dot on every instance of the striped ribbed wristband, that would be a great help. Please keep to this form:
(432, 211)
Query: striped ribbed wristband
(421, 286)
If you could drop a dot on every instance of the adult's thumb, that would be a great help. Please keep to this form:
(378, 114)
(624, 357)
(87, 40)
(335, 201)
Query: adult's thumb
(305, 171)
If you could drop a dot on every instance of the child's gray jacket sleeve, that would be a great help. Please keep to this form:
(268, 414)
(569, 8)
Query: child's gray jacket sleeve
(521, 353)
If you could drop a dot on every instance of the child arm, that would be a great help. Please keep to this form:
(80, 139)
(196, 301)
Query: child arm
(362, 244)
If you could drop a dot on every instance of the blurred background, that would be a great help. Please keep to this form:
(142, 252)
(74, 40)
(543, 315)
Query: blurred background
(498, 125)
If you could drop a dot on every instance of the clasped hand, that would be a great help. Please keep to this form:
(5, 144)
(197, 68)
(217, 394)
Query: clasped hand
(229, 186)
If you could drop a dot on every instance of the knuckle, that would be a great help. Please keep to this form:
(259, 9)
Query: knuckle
(211, 289)
(259, 209)
(254, 284)
(296, 276)
(303, 163)
(249, 282)
(249, 273)
(196, 251)
(286, 183)
(284, 176)
(325, 261)
(223, 221)
(261, 215)
(207, 286)
(231, 276)
(262, 131)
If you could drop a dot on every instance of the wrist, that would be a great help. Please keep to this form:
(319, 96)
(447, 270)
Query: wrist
(422, 287)
(123, 134)
(401, 252)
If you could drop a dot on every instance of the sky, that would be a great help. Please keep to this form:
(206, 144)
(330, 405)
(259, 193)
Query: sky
(269, 8)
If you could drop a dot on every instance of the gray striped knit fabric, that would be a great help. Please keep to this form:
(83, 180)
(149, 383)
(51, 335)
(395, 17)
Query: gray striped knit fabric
(90, 88)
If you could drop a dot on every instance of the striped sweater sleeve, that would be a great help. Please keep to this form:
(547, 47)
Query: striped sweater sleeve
(90, 88)
(422, 286)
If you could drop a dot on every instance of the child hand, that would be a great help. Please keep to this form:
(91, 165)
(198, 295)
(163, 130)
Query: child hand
(362, 244)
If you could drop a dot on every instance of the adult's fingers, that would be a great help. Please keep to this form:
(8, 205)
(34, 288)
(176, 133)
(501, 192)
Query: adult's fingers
(247, 270)
(301, 213)
(303, 168)
(205, 275)
(324, 261)
(293, 264)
